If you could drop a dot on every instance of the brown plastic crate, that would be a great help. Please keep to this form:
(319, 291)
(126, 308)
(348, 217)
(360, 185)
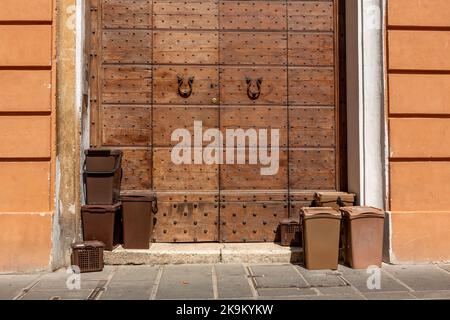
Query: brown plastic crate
(290, 233)
(88, 256)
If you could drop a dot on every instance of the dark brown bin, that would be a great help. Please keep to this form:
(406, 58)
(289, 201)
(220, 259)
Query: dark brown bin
(321, 230)
(363, 236)
(334, 200)
(290, 233)
(88, 256)
(137, 215)
(102, 223)
(102, 176)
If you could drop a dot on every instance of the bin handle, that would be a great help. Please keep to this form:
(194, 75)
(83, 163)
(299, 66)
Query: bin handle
(97, 210)
(154, 204)
(340, 202)
(116, 167)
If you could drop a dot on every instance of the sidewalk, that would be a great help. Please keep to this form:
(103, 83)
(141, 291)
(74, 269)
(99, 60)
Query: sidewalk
(231, 281)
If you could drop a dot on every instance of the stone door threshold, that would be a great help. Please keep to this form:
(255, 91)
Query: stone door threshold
(205, 253)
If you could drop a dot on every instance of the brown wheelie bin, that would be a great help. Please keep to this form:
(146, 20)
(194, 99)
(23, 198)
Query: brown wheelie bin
(102, 176)
(321, 230)
(363, 236)
(137, 214)
(102, 223)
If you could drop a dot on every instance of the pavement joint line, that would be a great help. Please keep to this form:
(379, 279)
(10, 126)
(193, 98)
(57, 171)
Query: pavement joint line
(250, 280)
(105, 286)
(445, 270)
(317, 291)
(157, 283)
(214, 282)
(398, 280)
(28, 288)
(97, 290)
(301, 276)
(358, 292)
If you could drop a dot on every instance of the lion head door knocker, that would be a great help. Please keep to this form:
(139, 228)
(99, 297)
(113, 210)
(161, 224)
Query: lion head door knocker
(185, 92)
(254, 95)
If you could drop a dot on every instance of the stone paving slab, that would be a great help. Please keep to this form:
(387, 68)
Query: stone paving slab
(61, 284)
(136, 273)
(389, 296)
(131, 284)
(358, 279)
(12, 285)
(431, 277)
(277, 276)
(103, 275)
(57, 295)
(322, 278)
(186, 282)
(223, 270)
(224, 281)
(233, 287)
(286, 292)
(440, 295)
(339, 297)
(232, 281)
(127, 293)
(348, 290)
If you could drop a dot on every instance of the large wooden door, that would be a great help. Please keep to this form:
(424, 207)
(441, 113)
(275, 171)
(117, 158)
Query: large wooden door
(139, 51)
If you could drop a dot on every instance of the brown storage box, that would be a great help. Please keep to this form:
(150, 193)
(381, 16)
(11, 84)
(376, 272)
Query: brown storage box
(102, 176)
(137, 215)
(363, 236)
(88, 256)
(290, 233)
(102, 223)
(321, 231)
(334, 200)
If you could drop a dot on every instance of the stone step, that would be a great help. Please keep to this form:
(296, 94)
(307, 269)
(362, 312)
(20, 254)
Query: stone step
(202, 253)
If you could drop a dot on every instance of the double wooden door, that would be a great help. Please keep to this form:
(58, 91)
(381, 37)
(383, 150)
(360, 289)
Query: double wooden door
(140, 49)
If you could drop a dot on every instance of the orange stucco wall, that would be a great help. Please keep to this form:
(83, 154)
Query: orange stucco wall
(418, 55)
(27, 147)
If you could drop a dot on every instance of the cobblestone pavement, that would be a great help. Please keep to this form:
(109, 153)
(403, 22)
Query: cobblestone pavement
(227, 281)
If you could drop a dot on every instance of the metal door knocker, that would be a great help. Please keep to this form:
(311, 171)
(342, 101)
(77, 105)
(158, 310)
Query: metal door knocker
(185, 93)
(253, 95)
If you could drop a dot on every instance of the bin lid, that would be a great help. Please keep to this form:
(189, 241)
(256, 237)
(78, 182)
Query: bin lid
(311, 213)
(102, 152)
(362, 212)
(101, 207)
(88, 244)
(289, 221)
(333, 196)
(136, 198)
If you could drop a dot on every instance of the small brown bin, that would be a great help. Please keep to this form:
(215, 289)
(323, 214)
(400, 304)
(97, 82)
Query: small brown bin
(290, 233)
(102, 223)
(102, 176)
(137, 214)
(363, 236)
(334, 200)
(321, 230)
(88, 256)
